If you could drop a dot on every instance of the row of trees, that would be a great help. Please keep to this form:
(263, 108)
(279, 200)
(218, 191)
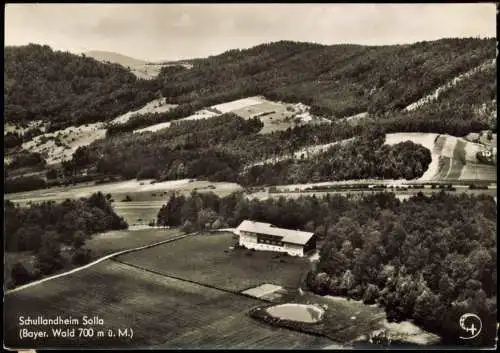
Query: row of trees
(45, 228)
(430, 258)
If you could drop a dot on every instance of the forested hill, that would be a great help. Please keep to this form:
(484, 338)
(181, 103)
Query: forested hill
(66, 89)
(337, 80)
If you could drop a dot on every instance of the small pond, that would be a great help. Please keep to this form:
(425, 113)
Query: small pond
(296, 312)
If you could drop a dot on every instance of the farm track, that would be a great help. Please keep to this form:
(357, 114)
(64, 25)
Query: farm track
(110, 256)
(189, 281)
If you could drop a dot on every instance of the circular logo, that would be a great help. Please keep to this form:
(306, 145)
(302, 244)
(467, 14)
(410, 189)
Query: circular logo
(471, 324)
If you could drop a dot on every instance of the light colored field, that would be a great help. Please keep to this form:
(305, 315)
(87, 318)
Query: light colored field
(278, 116)
(204, 258)
(77, 136)
(84, 190)
(147, 198)
(274, 115)
(238, 104)
(155, 106)
(161, 311)
(71, 138)
(457, 155)
(201, 114)
(475, 171)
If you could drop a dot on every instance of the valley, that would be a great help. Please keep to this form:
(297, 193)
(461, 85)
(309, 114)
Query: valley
(126, 179)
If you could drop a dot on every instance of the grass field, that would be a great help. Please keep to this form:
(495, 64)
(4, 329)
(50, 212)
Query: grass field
(206, 259)
(117, 240)
(274, 115)
(139, 190)
(155, 106)
(161, 312)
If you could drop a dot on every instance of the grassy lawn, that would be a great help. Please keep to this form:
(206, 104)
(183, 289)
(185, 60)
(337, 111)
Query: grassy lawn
(206, 259)
(113, 241)
(160, 310)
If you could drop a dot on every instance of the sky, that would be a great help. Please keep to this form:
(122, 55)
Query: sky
(155, 32)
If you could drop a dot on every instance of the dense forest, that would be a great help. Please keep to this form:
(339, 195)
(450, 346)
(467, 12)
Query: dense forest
(360, 158)
(218, 149)
(429, 259)
(336, 81)
(46, 228)
(64, 89)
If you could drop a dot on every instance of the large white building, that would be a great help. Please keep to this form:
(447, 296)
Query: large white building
(265, 236)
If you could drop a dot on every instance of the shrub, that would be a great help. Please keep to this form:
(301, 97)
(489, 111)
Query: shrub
(20, 275)
(81, 256)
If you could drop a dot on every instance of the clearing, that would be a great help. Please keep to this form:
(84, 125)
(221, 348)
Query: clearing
(159, 105)
(207, 259)
(139, 190)
(60, 145)
(176, 314)
(275, 116)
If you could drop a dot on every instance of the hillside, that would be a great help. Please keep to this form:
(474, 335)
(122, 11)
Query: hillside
(140, 68)
(338, 80)
(62, 89)
(114, 58)
(445, 87)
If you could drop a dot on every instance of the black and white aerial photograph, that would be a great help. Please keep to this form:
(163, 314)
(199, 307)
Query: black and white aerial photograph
(250, 176)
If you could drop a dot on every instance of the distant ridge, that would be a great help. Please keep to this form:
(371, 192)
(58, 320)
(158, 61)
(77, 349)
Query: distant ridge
(115, 58)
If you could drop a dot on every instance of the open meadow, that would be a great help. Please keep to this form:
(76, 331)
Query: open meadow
(208, 259)
(117, 240)
(161, 311)
(275, 116)
(139, 190)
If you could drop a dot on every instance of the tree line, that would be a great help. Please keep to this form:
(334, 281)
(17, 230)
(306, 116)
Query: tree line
(46, 228)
